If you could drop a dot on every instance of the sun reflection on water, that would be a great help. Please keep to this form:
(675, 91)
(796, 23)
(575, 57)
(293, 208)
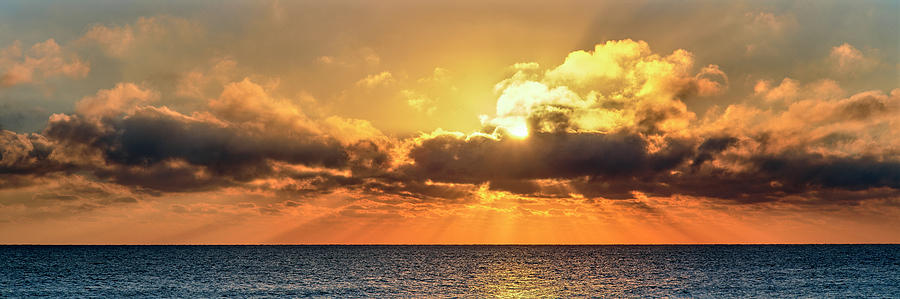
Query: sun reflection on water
(515, 277)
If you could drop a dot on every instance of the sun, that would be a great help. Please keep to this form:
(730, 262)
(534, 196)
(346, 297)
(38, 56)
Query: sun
(519, 130)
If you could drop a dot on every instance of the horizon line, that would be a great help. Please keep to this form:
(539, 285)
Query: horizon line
(435, 244)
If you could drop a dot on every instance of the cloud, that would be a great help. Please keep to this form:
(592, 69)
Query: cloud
(544, 155)
(249, 103)
(418, 101)
(608, 123)
(620, 84)
(613, 122)
(766, 31)
(712, 146)
(846, 59)
(429, 90)
(115, 40)
(350, 130)
(768, 21)
(115, 101)
(42, 61)
(785, 91)
(375, 80)
(711, 81)
(790, 90)
(800, 170)
(246, 135)
(162, 149)
(197, 83)
(25, 154)
(351, 58)
(618, 165)
(121, 40)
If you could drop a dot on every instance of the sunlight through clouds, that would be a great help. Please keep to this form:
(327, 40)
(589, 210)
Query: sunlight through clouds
(356, 122)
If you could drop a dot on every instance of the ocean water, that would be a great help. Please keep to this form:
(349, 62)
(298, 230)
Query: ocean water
(451, 271)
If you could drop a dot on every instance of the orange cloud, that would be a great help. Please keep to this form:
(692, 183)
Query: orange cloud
(113, 102)
(846, 59)
(43, 60)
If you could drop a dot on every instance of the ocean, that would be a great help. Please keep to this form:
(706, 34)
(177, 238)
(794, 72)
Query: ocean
(718, 271)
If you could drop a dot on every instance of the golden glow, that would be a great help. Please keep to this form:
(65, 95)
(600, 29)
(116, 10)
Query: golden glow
(514, 277)
(518, 130)
(368, 87)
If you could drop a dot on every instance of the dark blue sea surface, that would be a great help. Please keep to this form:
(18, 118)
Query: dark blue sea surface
(451, 271)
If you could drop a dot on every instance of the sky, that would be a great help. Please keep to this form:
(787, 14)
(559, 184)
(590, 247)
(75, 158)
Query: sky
(449, 122)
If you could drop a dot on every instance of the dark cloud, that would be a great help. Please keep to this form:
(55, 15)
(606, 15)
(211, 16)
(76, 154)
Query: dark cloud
(595, 163)
(159, 150)
(162, 177)
(862, 108)
(712, 146)
(772, 177)
(25, 154)
(804, 170)
(368, 158)
(24, 157)
(154, 150)
(151, 137)
(479, 159)
(649, 119)
(615, 165)
(145, 149)
(550, 118)
(836, 138)
(542, 156)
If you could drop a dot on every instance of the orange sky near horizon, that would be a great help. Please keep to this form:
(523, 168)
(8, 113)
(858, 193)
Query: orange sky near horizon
(399, 122)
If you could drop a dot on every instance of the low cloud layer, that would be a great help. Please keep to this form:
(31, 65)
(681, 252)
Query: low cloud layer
(607, 123)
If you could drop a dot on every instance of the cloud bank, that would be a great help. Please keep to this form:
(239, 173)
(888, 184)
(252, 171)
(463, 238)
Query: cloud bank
(607, 123)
